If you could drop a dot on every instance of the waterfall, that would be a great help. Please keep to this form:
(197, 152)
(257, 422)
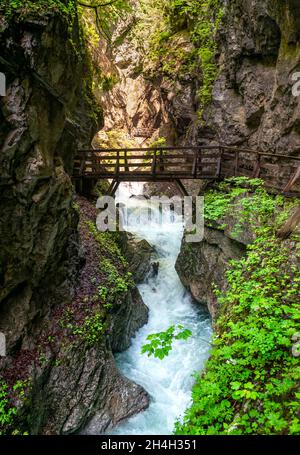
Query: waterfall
(168, 381)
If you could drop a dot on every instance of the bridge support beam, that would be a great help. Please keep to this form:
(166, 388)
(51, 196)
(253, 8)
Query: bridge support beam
(181, 187)
(113, 188)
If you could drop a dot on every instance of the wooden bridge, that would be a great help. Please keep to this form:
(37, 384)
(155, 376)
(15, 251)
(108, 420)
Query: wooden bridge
(281, 173)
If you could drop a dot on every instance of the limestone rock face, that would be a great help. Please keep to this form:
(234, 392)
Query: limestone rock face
(138, 253)
(252, 103)
(77, 386)
(200, 265)
(47, 113)
(84, 383)
(128, 317)
(252, 96)
(135, 104)
(44, 117)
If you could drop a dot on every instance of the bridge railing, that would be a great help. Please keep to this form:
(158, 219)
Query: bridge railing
(280, 172)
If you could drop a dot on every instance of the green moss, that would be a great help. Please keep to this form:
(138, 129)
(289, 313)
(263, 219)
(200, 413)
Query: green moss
(160, 142)
(209, 16)
(108, 82)
(251, 381)
(26, 7)
(172, 23)
(76, 207)
(113, 267)
(101, 188)
(109, 285)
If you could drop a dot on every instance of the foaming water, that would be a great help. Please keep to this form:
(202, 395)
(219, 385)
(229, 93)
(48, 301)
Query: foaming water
(168, 381)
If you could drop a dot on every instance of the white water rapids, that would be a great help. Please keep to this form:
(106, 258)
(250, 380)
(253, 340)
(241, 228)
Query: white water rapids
(168, 381)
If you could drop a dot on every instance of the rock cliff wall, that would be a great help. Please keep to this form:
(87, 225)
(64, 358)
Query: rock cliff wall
(202, 265)
(133, 104)
(252, 305)
(234, 219)
(259, 45)
(256, 54)
(48, 112)
(252, 102)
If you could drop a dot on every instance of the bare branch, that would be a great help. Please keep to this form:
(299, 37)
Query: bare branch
(96, 5)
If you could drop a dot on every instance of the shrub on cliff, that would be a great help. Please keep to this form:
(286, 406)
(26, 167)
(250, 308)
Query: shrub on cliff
(251, 381)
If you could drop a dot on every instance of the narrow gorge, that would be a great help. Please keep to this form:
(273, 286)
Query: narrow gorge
(140, 331)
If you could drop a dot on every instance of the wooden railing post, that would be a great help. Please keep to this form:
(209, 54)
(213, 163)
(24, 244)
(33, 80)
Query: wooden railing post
(195, 164)
(126, 161)
(94, 164)
(83, 164)
(161, 160)
(163, 164)
(153, 167)
(117, 169)
(256, 170)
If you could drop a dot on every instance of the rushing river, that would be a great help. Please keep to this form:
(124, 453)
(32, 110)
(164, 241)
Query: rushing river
(168, 381)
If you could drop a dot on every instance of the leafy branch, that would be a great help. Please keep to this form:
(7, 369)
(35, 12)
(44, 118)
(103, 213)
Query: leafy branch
(107, 14)
(161, 343)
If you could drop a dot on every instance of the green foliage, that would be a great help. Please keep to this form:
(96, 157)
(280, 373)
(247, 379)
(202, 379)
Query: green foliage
(108, 242)
(106, 13)
(116, 280)
(25, 7)
(246, 198)
(101, 188)
(76, 207)
(91, 331)
(108, 81)
(118, 283)
(21, 387)
(90, 30)
(112, 280)
(161, 343)
(204, 34)
(252, 378)
(115, 139)
(180, 38)
(160, 142)
(165, 48)
(205, 17)
(7, 412)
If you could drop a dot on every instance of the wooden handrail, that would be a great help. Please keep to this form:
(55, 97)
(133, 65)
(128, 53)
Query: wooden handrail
(200, 147)
(171, 164)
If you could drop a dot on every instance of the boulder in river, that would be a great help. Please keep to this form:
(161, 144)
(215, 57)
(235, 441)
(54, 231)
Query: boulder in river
(138, 253)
